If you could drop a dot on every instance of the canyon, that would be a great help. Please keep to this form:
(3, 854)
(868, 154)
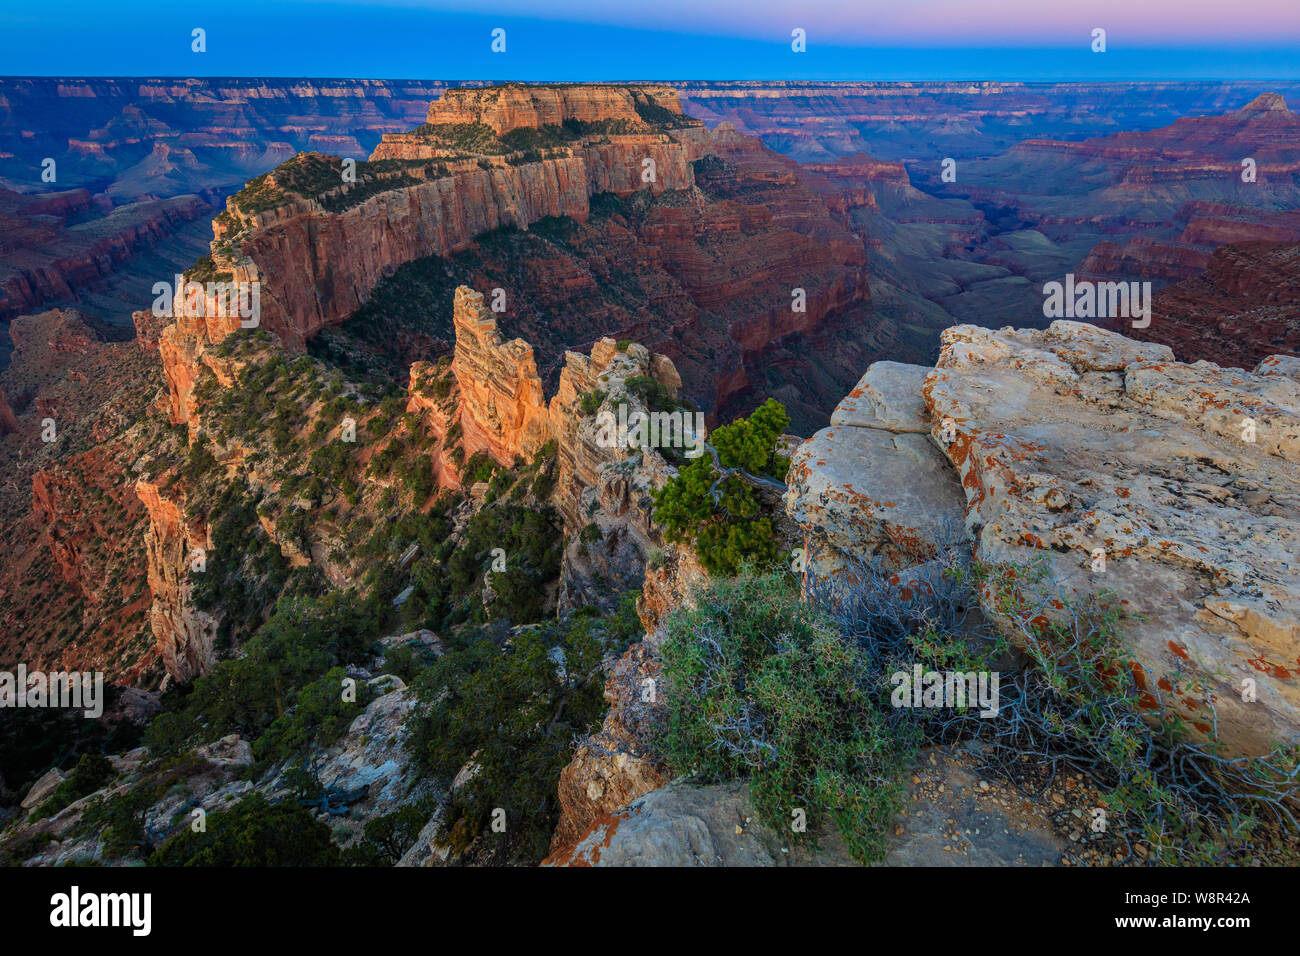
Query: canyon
(141, 165)
(737, 256)
(511, 263)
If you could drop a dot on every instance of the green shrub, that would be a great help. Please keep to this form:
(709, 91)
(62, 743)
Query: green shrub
(385, 839)
(92, 772)
(762, 686)
(253, 832)
(304, 639)
(319, 716)
(725, 535)
(517, 710)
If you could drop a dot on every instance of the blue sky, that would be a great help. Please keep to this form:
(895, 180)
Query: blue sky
(662, 39)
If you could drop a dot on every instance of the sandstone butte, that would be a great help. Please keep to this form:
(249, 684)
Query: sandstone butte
(1049, 445)
(718, 266)
(317, 267)
(497, 399)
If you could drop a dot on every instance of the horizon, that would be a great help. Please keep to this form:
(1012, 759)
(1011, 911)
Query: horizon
(1002, 41)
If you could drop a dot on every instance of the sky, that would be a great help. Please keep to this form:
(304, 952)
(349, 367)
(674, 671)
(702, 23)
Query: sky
(1024, 40)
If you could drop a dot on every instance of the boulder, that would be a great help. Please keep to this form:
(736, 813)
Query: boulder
(42, 788)
(1172, 487)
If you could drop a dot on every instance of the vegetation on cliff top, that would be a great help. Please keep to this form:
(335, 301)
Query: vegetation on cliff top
(509, 706)
(796, 693)
(724, 521)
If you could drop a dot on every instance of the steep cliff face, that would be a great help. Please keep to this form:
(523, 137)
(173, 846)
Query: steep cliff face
(605, 486)
(183, 634)
(502, 411)
(515, 105)
(185, 348)
(72, 585)
(1062, 444)
(1242, 308)
(492, 395)
(318, 267)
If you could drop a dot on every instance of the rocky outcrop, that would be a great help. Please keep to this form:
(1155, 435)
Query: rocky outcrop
(1062, 444)
(502, 411)
(953, 816)
(183, 634)
(494, 393)
(605, 484)
(670, 582)
(616, 765)
(898, 513)
(185, 348)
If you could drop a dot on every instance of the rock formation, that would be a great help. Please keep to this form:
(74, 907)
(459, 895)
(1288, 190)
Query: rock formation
(502, 411)
(953, 818)
(515, 105)
(184, 634)
(717, 261)
(496, 398)
(1073, 442)
(615, 765)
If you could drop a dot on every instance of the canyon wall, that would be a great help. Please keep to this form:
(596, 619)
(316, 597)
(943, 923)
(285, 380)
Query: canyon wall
(317, 268)
(1242, 308)
(44, 259)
